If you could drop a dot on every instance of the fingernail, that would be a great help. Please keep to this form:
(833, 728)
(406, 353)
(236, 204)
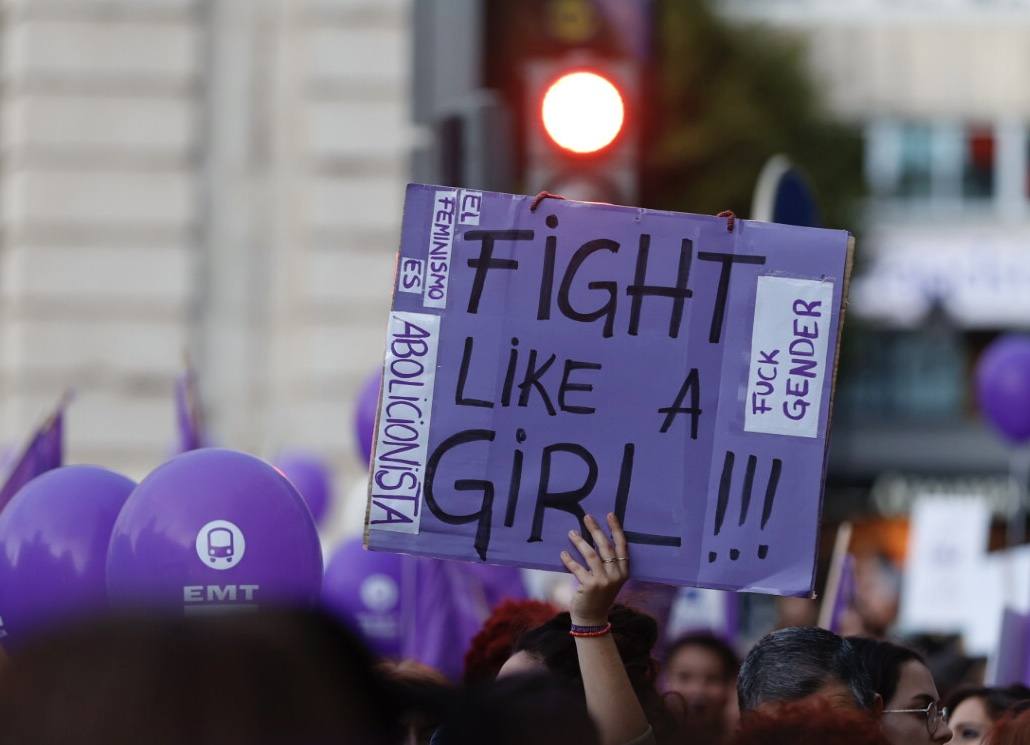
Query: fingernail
(611, 515)
(565, 554)
(573, 534)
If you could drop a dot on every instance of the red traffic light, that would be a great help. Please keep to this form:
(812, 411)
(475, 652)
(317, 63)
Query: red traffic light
(583, 112)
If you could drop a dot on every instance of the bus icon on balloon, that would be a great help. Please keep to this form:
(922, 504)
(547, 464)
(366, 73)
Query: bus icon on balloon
(220, 544)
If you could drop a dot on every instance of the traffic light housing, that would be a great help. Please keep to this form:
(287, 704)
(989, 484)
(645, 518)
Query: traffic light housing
(581, 126)
(529, 96)
(570, 73)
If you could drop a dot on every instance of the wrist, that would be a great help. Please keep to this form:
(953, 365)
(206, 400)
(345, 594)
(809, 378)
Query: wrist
(578, 620)
(587, 632)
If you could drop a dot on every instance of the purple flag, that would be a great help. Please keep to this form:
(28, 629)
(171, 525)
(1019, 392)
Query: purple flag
(44, 452)
(845, 597)
(498, 583)
(1010, 662)
(444, 606)
(188, 413)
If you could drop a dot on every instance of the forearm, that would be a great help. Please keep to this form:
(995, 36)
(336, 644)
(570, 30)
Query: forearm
(611, 701)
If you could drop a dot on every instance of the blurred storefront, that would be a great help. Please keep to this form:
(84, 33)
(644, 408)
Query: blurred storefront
(942, 92)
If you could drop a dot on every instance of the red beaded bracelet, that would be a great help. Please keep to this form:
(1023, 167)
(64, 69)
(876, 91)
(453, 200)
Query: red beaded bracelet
(585, 632)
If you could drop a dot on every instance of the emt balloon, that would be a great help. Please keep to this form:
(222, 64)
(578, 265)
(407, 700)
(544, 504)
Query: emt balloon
(53, 545)
(214, 529)
(363, 589)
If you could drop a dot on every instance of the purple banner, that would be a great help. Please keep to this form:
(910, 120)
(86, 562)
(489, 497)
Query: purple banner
(1010, 659)
(44, 452)
(594, 358)
(187, 412)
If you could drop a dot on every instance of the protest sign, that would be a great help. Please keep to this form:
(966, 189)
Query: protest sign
(699, 610)
(1002, 582)
(943, 568)
(543, 364)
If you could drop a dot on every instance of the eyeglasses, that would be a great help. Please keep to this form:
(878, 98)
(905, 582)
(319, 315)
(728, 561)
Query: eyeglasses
(934, 713)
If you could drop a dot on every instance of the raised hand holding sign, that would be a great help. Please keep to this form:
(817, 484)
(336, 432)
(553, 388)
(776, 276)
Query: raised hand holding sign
(606, 571)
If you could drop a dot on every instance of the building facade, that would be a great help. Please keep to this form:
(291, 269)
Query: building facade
(941, 89)
(221, 179)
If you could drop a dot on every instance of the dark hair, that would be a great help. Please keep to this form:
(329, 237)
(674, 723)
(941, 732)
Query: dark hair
(793, 663)
(710, 643)
(492, 645)
(539, 709)
(883, 661)
(269, 677)
(1012, 729)
(998, 701)
(427, 694)
(635, 635)
(809, 722)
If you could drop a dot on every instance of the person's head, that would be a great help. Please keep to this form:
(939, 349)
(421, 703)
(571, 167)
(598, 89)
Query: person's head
(549, 648)
(702, 668)
(268, 677)
(428, 693)
(795, 663)
(492, 646)
(912, 711)
(1012, 729)
(808, 721)
(516, 709)
(973, 712)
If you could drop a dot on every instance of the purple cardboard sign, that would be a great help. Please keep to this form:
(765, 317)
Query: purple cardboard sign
(594, 358)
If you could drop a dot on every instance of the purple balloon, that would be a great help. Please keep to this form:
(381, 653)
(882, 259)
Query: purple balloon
(310, 475)
(212, 529)
(1003, 386)
(363, 589)
(365, 414)
(53, 547)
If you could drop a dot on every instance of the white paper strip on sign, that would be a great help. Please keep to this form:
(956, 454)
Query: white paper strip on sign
(469, 206)
(399, 463)
(438, 254)
(788, 356)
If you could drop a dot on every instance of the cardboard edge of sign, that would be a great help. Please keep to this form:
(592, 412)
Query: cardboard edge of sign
(365, 530)
(849, 263)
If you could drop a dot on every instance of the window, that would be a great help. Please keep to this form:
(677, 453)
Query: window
(916, 161)
(978, 163)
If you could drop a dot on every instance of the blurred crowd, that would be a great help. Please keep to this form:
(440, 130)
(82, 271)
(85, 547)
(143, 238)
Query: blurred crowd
(532, 674)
